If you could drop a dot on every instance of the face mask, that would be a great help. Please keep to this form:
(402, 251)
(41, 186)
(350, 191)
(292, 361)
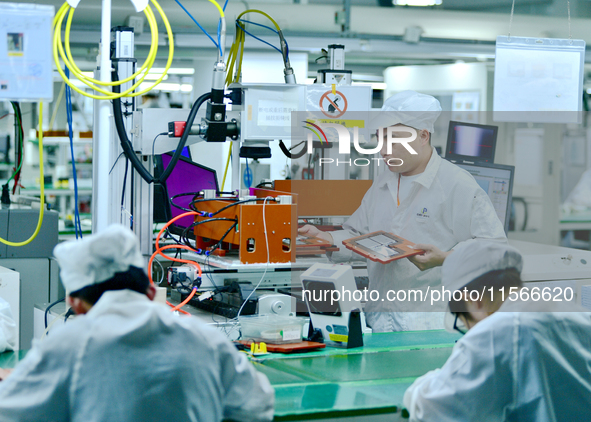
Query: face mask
(459, 325)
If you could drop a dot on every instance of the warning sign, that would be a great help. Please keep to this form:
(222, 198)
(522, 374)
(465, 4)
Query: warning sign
(333, 104)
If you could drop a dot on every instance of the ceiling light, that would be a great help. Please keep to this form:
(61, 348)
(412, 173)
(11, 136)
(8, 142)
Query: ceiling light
(416, 2)
(174, 70)
(168, 87)
(378, 86)
(155, 76)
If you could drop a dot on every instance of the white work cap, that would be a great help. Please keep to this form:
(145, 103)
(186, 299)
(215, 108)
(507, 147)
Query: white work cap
(408, 108)
(472, 259)
(97, 257)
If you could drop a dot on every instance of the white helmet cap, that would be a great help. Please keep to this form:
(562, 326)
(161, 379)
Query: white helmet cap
(472, 259)
(97, 257)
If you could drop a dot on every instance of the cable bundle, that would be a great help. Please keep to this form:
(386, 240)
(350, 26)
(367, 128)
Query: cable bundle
(66, 56)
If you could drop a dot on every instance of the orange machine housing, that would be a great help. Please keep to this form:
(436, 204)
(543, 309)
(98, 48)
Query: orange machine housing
(249, 235)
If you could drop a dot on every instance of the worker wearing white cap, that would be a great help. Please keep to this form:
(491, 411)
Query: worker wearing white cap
(126, 358)
(519, 361)
(427, 200)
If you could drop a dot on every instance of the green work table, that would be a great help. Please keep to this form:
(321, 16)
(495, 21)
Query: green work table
(366, 383)
(361, 384)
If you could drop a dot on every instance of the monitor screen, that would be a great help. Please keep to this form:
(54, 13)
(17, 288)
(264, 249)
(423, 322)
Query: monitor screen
(472, 142)
(497, 181)
(186, 176)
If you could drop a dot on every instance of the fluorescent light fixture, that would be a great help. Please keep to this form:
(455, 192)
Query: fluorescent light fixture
(379, 86)
(168, 87)
(174, 70)
(154, 76)
(416, 2)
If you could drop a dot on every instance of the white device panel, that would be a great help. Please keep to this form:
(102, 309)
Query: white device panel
(266, 110)
(331, 318)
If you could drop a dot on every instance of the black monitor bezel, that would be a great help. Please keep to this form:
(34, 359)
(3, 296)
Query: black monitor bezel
(159, 169)
(458, 157)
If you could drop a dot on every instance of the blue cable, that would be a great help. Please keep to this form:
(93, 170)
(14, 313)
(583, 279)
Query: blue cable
(261, 25)
(204, 31)
(220, 46)
(257, 38)
(77, 224)
(220, 38)
(247, 175)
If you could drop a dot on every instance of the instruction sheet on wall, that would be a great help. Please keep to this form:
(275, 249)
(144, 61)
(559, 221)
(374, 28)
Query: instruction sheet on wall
(25, 52)
(539, 78)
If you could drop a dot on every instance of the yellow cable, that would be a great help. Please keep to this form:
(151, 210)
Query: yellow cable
(239, 69)
(58, 48)
(227, 164)
(260, 12)
(151, 54)
(108, 94)
(216, 4)
(60, 11)
(238, 45)
(40, 221)
(84, 79)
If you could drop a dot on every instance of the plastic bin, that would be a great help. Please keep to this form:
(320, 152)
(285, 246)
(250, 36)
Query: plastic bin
(272, 329)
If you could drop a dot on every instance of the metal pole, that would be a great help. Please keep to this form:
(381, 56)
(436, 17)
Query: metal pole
(102, 125)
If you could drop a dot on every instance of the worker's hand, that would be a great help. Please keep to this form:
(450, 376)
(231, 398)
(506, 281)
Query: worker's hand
(4, 373)
(310, 230)
(433, 257)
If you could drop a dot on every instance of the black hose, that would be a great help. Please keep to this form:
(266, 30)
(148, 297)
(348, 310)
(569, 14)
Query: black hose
(123, 139)
(183, 141)
(128, 148)
(289, 154)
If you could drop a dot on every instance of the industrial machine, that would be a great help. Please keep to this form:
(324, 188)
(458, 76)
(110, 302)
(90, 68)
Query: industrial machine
(259, 225)
(334, 303)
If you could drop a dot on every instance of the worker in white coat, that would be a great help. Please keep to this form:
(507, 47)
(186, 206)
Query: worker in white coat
(427, 200)
(8, 332)
(518, 361)
(126, 358)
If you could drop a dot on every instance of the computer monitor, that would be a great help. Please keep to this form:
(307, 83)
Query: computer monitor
(471, 142)
(497, 181)
(186, 176)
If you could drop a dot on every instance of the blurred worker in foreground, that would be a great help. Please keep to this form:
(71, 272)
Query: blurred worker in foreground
(8, 332)
(125, 358)
(519, 361)
(426, 200)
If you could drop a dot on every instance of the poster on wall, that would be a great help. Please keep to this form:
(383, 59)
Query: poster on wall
(26, 61)
(538, 80)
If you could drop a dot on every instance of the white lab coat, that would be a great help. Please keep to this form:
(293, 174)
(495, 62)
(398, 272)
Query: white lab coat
(512, 366)
(445, 206)
(8, 332)
(130, 359)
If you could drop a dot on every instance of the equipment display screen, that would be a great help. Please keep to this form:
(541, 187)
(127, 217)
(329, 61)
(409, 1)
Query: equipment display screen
(186, 176)
(497, 181)
(467, 141)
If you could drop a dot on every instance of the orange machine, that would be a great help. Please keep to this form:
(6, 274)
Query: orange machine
(248, 235)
